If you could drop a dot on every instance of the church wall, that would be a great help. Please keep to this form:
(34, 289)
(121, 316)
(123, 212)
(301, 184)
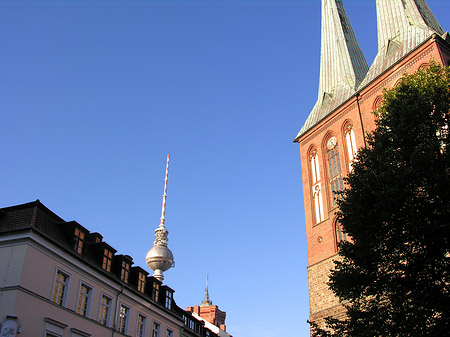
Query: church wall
(359, 111)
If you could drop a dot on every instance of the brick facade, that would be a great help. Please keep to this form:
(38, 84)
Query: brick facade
(357, 112)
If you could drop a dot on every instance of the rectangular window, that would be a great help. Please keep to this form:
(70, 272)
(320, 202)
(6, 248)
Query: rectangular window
(84, 299)
(141, 282)
(78, 241)
(51, 334)
(105, 309)
(168, 299)
(125, 271)
(155, 292)
(156, 329)
(169, 333)
(107, 258)
(140, 329)
(123, 319)
(191, 324)
(60, 288)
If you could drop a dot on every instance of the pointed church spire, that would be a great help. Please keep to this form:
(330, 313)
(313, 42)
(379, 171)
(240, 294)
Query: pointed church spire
(206, 302)
(402, 25)
(342, 63)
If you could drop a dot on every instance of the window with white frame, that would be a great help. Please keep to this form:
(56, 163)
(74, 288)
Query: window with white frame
(316, 187)
(53, 328)
(156, 329)
(105, 309)
(84, 300)
(141, 323)
(351, 146)
(52, 334)
(60, 288)
(124, 314)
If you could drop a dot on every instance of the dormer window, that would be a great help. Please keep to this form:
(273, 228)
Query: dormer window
(107, 259)
(155, 292)
(125, 271)
(168, 303)
(78, 241)
(141, 282)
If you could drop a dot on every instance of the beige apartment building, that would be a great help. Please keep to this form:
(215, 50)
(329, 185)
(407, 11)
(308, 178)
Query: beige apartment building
(60, 280)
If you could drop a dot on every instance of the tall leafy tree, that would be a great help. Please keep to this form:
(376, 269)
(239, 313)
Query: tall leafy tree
(393, 276)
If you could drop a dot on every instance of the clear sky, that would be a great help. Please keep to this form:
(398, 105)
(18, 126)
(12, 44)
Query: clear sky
(94, 94)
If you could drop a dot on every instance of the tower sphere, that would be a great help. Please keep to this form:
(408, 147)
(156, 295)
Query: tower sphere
(159, 258)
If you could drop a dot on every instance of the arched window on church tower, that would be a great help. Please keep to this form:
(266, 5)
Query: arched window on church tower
(351, 146)
(341, 236)
(334, 169)
(316, 188)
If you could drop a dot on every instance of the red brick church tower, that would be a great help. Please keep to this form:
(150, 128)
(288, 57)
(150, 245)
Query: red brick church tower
(409, 37)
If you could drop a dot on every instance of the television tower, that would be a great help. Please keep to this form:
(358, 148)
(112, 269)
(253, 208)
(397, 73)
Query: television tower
(159, 258)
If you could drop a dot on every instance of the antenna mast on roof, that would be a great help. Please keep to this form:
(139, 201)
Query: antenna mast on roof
(163, 210)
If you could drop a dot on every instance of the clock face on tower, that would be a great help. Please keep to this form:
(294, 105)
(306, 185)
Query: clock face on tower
(331, 143)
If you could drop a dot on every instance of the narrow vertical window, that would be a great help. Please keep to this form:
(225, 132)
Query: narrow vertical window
(316, 188)
(334, 167)
(105, 309)
(191, 324)
(60, 288)
(123, 319)
(141, 282)
(156, 329)
(351, 146)
(169, 333)
(125, 271)
(107, 258)
(168, 299)
(78, 241)
(155, 292)
(84, 299)
(140, 329)
(341, 236)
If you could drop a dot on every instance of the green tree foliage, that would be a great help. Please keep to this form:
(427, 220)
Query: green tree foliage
(393, 277)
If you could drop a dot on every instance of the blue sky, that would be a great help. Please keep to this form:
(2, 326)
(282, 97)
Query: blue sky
(94, 94)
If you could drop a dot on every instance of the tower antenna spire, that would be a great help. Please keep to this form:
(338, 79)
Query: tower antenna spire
(163, 210)
(206, 302)
(159, 258)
